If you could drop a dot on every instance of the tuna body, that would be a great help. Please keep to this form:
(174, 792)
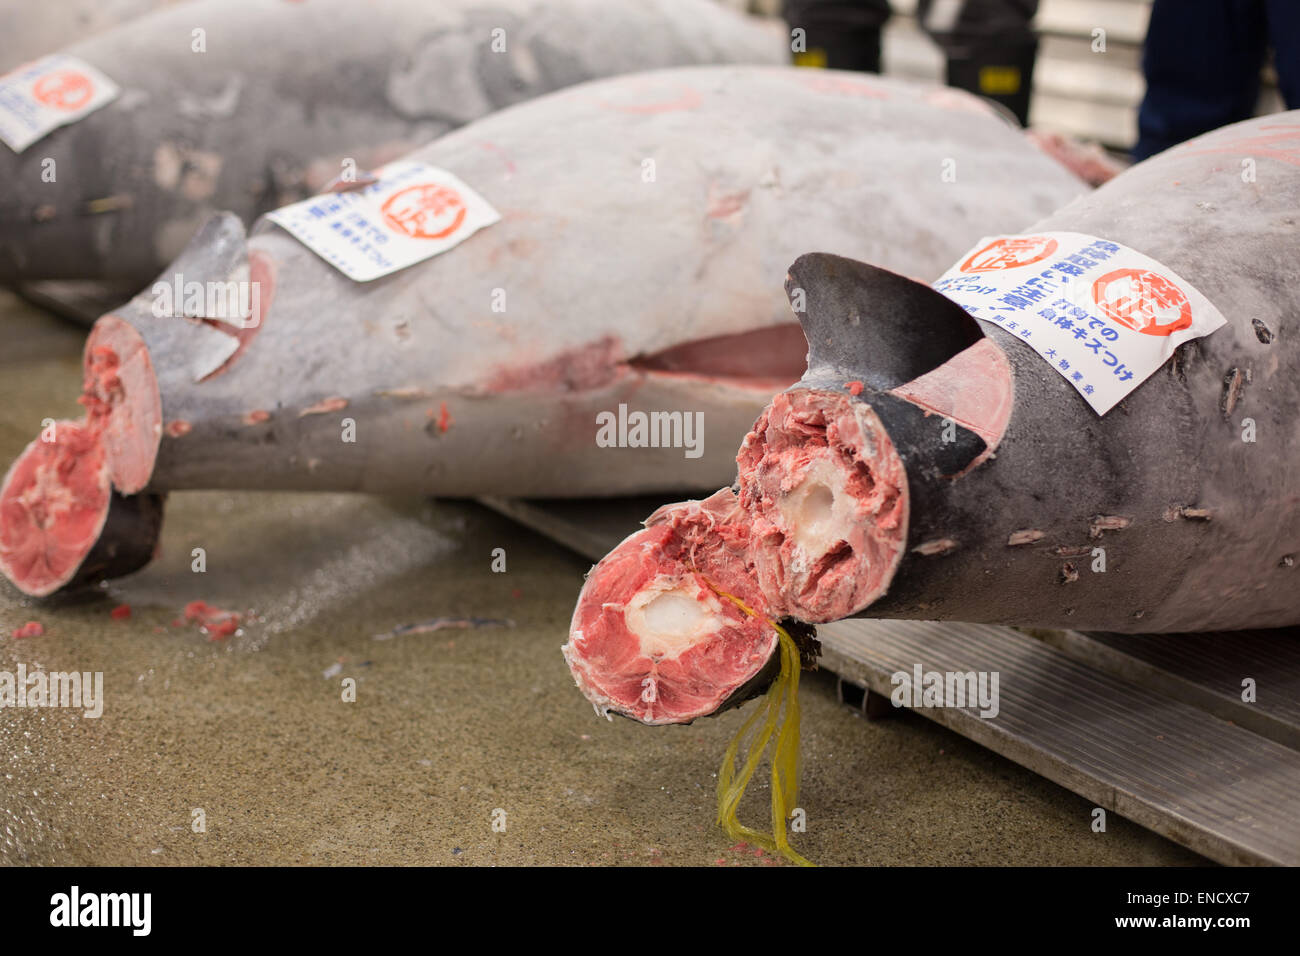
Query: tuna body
(31, 30)
(1189, 484)
(932, 466)
(245, 105)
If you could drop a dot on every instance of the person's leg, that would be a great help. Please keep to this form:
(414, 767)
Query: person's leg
(838, 34)
(1284, 35)
(1202, 60)
(990, 46)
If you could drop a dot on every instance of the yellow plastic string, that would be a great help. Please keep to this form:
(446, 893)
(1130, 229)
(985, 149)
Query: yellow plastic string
(785, 755)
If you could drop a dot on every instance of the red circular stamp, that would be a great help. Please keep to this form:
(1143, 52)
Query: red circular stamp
(843, 84)
(1143, 301)
(428, 211)
(650, 100)
(1010, 253)
(64, 90)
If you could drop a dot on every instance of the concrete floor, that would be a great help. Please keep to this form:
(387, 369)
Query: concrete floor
(447, 727)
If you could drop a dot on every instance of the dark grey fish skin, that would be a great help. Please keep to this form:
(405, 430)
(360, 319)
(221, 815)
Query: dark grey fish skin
(1196, 520)
(284, 92)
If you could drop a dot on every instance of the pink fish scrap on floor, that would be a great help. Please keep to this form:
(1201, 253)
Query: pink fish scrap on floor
(1089, 424)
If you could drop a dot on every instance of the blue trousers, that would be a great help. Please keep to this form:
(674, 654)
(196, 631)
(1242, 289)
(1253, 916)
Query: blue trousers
(1202, 60)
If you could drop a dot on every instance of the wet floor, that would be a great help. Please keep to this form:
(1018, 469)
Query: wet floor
(462, 746)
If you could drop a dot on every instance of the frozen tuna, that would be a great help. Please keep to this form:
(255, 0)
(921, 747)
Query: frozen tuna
(33, 29)
(931, 465)
(245, 105)
(626, 288)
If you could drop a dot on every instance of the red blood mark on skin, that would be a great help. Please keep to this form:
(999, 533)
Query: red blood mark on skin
(591, 366)
(324, 406)
(121, 612)
(1278, 141)
(53, 504)
(444, 418)
(958, 101)
(842, 85)
(256, 417)
(854, 387)
(178, 428)
(30, 629)
(123, 406)
(261, 272)
(215, 622)
(497, 150)
(974, 388)
(687, 99)
(725, 205)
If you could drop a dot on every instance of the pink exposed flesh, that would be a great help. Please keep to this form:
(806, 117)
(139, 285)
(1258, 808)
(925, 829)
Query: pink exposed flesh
(651, 637)
(768, 356)
(817, 532)
(122, 403)
(53, 504)
(825, 495)
(56, 497)
(973, 388)
(261, 273)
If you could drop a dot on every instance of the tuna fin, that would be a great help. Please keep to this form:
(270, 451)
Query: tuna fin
(217, 253)
(872, 325)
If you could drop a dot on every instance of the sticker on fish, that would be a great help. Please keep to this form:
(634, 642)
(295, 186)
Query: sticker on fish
(48, 93)
(411, 212)
(1103, 315)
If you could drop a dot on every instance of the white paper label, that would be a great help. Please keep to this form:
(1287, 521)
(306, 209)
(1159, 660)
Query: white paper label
(48, 93)
(1103, 315)
(413, 212)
